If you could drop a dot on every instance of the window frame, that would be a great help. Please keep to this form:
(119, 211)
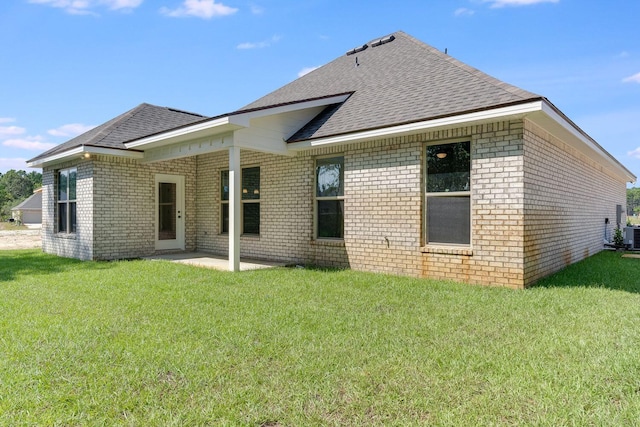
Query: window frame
(67, 203)
(317, 198)
(243, 201)
(442, 194)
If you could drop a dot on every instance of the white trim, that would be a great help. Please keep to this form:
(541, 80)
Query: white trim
(287, 108)
(486, 115)
(235, 196)
(176, 133)
(426, 194)
(227, 123)
(179, 241)
(80, 151)
(588, 142)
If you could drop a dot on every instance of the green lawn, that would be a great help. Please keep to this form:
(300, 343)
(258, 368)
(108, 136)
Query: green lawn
(158, 344)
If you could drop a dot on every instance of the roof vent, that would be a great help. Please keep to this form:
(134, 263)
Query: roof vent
(383, 40)
(357, 49)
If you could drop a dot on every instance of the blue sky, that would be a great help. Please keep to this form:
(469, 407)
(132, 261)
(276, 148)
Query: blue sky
(68, 65)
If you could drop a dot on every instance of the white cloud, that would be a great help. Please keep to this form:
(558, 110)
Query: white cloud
(635, 153)
(306, 70)
(257, 10)
(70, 130)
(7, 120)
(16, 163)
(33, 143)
(205, 9)
(632, 79)
(503, 3)
(259, 45)
(122, 4)
(463, 11)
(85, 7)
(11, 130)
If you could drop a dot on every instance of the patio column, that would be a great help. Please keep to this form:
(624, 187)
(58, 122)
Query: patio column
(235, 193)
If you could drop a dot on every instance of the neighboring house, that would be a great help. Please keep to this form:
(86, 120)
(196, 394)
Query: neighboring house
(30, 210)
(394, 157)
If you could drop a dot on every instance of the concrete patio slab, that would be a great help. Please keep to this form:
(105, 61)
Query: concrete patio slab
(200, 259)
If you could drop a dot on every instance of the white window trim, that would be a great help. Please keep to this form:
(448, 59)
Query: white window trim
(316, 199)
(66, 202)
(242, 202)
(425, 231)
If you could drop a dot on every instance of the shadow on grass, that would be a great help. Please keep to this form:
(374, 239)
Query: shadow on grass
(606, 269)
(33, 262)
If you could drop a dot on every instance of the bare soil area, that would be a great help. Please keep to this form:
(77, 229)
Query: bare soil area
(19, 239)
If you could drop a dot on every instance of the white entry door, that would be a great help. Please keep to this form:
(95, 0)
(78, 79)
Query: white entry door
(169, 212)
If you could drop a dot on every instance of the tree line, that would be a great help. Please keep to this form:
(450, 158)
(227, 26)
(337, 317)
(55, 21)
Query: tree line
(16, 186)
(633, 201)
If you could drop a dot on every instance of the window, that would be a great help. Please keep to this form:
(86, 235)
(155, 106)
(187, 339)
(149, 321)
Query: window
(329, 196)
(448, 193)
(66, 200)
(250, 201)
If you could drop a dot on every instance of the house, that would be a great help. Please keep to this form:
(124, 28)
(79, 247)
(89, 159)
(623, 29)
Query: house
(30, 210)
(394, 157)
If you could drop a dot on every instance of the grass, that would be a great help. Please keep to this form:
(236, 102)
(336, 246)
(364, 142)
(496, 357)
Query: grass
(634, 220)
(5, 225)
(160, 344)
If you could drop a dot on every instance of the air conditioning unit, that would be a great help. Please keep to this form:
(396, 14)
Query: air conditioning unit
(632, 237)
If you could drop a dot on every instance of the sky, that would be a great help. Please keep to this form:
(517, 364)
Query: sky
(69, 65)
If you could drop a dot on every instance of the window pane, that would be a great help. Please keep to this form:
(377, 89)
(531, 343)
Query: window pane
(449, 220)
(225, 217)
(331, 218)
(72, 217)
(167, 192)
(330, 177)
(63, 181)
(73, 173)
(251, 218)
(251, 183)
(224, 185)
(62, 217)
(448, 167)
(167, 208)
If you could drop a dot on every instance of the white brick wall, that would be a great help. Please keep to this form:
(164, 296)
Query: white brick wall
(536, 206)
(568, 197)
(80, 244)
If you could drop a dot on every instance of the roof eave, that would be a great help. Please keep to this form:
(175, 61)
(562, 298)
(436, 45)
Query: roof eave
(574, 131)
(530, 108)
(484, 115)
(228, 123)
(82, 152)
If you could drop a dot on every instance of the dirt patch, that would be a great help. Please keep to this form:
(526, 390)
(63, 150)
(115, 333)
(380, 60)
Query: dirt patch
(20, 239)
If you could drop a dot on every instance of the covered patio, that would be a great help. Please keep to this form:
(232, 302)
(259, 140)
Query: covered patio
(215, 262)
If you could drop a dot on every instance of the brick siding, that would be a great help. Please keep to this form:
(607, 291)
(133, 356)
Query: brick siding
(536, 206)
(567, 198)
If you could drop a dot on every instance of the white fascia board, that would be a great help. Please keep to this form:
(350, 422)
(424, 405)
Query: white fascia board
(211, 127)
(577, 133)
(225, 124)
(80, 152)
(243, 118)
(462, 119)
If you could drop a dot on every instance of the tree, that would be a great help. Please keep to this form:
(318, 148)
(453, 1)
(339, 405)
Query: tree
(36, 179)
(633, 200)
(15, 186)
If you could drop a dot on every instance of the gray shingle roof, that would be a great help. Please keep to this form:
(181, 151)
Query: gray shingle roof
(32, 202)
(401, 81)
(143, 120)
